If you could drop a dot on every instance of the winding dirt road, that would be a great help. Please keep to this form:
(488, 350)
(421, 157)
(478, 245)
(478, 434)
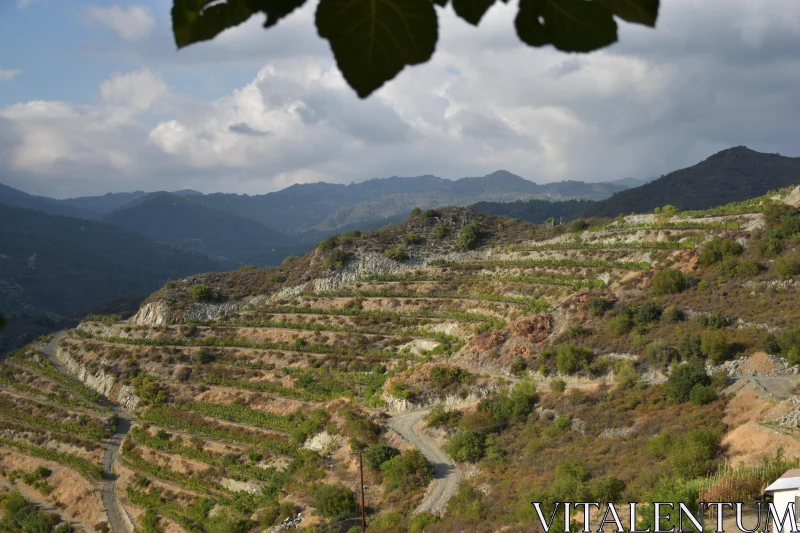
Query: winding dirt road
(124, 422)
(446, 473)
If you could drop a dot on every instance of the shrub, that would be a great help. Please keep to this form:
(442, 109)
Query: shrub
(328, 243)
(702, 395)
(649, 313)
(625, 375)
(201, 293)
(670, 210)
(408, 471)
(690, 348)
(378, 454)
(558, 386)
(659, 445)
(572, 357)
(384, 521)
(578, 225)
(444, 377)
(694, 456)
(334, 501)
(467, 502)
(668, 281)
(719, 249)
(682, 380)
(396, 253)
(203, 356)
(771, 247)
(335, 260)
(440, 231)
(467, 446)
(419, 521)
(607, 489)
(715, 346)
(787, 266)
(470, 234)
(748, 268)
(412, 238)
(599, 305)
(672, 314)
(619, 325)
(439, 416)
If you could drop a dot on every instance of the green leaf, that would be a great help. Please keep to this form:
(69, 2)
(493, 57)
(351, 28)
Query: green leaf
(201, 20)
(373, 40)
(472, 10)
(569, 25)
(638, 11)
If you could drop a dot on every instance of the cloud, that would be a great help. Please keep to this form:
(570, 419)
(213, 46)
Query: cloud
(132, 24)
(9, 74)
(706, 79)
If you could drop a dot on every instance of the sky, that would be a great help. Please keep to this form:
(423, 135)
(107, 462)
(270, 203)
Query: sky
(95, 97)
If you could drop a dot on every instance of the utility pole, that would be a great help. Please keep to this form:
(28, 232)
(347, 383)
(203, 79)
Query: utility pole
(363, 511)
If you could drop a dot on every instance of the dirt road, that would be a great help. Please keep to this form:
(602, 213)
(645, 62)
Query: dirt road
(108, 492)
(446, 473)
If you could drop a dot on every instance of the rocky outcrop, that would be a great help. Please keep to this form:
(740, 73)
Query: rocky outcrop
(100, 382)
(397, 404)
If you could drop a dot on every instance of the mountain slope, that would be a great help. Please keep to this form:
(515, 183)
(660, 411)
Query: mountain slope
(16, 198)
(55, 264)
(100, 205)
(731, 175)
(182, 222)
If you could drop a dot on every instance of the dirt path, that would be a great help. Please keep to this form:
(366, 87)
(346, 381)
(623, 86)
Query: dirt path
(446, 473)
(116, 519)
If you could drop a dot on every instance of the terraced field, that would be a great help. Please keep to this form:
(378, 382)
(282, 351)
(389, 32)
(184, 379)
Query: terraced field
(245, 405)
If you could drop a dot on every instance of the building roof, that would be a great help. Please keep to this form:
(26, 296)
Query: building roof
(790, 480)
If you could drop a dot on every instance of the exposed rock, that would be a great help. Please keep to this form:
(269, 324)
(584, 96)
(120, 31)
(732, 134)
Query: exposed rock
(249, 487)
(100, 382)
(610, 433)
(322, 442)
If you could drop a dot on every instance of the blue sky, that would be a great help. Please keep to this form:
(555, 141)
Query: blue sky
(94, 97)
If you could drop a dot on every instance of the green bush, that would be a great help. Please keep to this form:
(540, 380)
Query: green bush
(694, 456)
(702, 395)
(682, 380)
(440, 231)
(668, 281)
(439, 417)
(470, 234)
(607, 489)
(715, 346)
(384, 521)
(334, 501)
(19, 516)
(649, 313)
(201, 293)
(578, 225)
(467, 446)
(787, 266)
(625, 375)
(378, 454)
(599, 305)
(572, 358)
(670, 210)
(748, 268)
(335, 260)
(419, 521)
(771, 247)
(412, 238)
(467, 502)
(328, 243)
(619, 325)
(558, 386)
(203, 356)
(719, 249)
(396, 253)
(408, 471)
(672, 314)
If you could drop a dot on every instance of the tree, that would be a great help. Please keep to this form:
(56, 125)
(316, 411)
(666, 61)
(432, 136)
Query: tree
(682, 380)
(373, 41)
(467, 446)
(468, 239)
(408, 471)
(379, 454)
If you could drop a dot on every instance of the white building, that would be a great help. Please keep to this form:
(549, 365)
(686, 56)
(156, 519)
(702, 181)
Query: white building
(785, 490)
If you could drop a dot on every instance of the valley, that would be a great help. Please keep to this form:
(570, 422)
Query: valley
(476, 362)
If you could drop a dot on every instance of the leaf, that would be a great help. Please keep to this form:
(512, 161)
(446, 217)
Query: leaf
(373, 40)
(201, 20)
(472, 10)
(569, 25)
(637, 11)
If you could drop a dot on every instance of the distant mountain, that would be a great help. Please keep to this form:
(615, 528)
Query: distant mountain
(182, 222)
(60, 265)
(100, 205)
(630, 183)
(16, 198)
(321, 208)
(537, 211)
(734, 174)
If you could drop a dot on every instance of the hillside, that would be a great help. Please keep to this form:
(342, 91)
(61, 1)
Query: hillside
(52, 265)
(179, 221)
(624, 360)
(16, 198)
(537, 211)
(732, 175)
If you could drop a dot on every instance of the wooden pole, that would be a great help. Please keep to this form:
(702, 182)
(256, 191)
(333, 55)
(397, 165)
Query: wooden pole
(363, 511)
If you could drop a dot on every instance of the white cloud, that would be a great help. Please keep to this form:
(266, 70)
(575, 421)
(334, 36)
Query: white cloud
(132, 24)
(657, 101)
(8, 74)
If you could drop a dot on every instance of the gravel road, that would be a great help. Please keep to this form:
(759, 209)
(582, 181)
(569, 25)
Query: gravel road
(108, 491)
(446, 473)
